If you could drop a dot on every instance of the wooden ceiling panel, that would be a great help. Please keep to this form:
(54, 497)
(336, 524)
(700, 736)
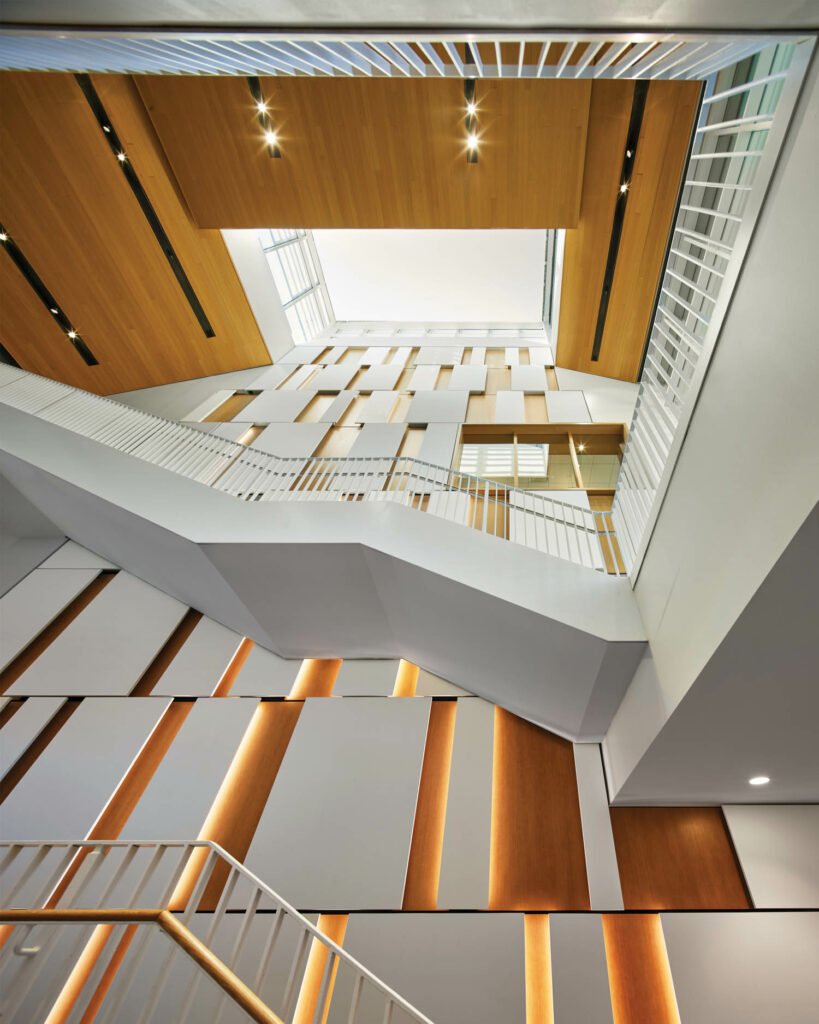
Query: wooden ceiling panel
(66, 202)
(374, 153)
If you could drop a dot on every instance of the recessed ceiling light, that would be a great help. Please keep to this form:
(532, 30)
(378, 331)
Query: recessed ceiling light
(472, 142)
(3, 236)
(121, 157)
(628, 153)
(472, 108)
(759, 780)
(106, 128)
(270, 138)
(56, 312)
(581, 447)
(261, 106)
(72, 334)
(623, 188)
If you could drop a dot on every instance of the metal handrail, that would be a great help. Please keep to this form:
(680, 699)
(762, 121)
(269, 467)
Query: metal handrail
(558, 528)
(64, 885)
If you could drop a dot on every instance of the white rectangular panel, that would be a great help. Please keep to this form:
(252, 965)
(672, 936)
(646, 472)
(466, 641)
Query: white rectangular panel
(567, 407)
(301, 354)
(744, 968)
(333, 378)
(511, 356)
(510, 407)
(291, 440)
(377, 407)
(207, 405)
(37, 599)
(598, 841)
(67, 787)
(336, 409)
(351, 771)
(478, 357)
(430, 685)
(423, 378)
(438, 444)
(108, 646)
(28, 722)
(778, 848)
(541, 355)
(455, 968)
(271, 377)
(297, 379)
(580, 978)
(377, 439)
(265, 674)
(73, 556)
(232, 431)
(379, 378)
(375, 355)
(275, 407)
(333, 356)
(432, 355)
(529, 379)
(464, 883)
(468, 378)
(180, 794)
(199, 665)
(438, 407)
(366, 677)
(400, 357)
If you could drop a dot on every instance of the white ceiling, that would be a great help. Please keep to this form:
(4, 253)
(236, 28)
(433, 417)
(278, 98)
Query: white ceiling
(434, 275)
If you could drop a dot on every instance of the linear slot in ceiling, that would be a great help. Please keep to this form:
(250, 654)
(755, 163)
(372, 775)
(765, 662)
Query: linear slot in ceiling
(111, 137)
(45, 296)
(635, 123)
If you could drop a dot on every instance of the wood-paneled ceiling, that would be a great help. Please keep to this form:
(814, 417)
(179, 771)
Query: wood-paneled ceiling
(65, 201)
(367, 153)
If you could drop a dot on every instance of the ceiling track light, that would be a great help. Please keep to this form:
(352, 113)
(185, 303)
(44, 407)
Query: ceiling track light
(471, 121)
(269, 134)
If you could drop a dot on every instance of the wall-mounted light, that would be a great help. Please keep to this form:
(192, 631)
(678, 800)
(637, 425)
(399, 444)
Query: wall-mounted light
(269, 134)
(471, 121)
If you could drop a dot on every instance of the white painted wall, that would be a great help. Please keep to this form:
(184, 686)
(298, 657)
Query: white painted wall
(434, 275)
(254, 273)
(746, 480)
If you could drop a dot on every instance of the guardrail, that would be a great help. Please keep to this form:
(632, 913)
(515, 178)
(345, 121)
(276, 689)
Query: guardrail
(270, 962)
(557, 528)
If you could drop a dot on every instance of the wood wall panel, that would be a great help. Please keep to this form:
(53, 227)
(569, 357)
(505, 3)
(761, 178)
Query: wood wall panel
(677, 858)
(663, 143)
(67, 204)
(537, 860)
(381, 153)
(640, 981)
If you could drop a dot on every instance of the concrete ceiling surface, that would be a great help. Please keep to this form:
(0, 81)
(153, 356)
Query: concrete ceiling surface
(469, 14)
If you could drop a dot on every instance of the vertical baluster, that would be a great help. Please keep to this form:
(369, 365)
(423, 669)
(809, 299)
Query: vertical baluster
(295, 973)
(356, 1000)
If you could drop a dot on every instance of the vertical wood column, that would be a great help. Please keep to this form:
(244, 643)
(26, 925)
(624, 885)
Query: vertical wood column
(642, 989)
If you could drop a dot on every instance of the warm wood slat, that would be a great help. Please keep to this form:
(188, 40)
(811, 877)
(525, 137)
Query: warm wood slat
(12, 672)
(334, 926)
(374, 153)
(68, 206)
(426, 848)
(406, 679)
(229, 676)
(537, 859)
(316, 678)
(169, 650)
(539, 997)
(642, 989)
(677, 858)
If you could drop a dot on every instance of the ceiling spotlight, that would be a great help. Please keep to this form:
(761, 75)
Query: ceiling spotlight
(270, 138)
(628, 153)
(759, 780)
(623, 188)
(56, 312)
(121, 157)
(582, 446)
(261, 106)
(472, 142)
(472, 109)
(3, 236)
(72, 335)
(106, 128)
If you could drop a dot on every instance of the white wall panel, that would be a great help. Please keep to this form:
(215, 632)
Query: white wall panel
(510, 407)
(468, 378)
(529, 379)
(108, 646)
(464, 882)
(438, 407)
(297, 379)
(301, 354)
(28, 721)
(374, 355)
(567, 407)
(439, 355)
(333, 356)
(598, 841)
(438, 444)
(336, 409)
(344, 798)
(430, 685)
(377, 439)
(580, 978)
(275, 407)
(64, 791)
(207, 405)
(400, 356)
(541, 355)
(379, 378)
(74, 556)
(199, 665)
(179, 796)
(423, 378)
(511, 356)
(778, 848)
(37, 599)
(477, 357)
(377, 407)
(366, 677)
(291, 440)
(455, 968)
(265, 674)
(333, 378)
(744, 968)
(230, 431)
(271, 377)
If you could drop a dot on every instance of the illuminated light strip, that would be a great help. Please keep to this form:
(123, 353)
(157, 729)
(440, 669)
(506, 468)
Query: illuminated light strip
(263, 116)
(116, 147)
(46, 298)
